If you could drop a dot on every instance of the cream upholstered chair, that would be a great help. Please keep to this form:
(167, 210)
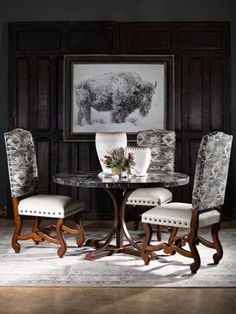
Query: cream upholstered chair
(23, 175)
(162, 145)
(207, 200)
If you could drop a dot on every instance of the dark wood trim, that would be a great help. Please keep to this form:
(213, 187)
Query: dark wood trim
(202, 88)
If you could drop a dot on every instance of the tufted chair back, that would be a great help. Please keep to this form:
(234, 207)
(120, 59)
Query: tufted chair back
(162, 145)
(211, 170)
(22, 164)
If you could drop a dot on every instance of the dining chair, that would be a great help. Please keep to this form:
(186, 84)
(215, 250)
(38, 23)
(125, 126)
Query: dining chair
(205, 210)
(162, 145)
(24, 180)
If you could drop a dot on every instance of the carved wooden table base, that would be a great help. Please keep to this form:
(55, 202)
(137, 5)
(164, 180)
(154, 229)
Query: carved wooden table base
(119, 191)
(119, 230)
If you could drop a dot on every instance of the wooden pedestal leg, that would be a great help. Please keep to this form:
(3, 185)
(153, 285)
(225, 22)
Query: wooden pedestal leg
(81, 237)
(217, 245)
(136, 217)
(62, 250)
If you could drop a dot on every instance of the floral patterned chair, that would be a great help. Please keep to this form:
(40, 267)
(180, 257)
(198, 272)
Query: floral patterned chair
(207, 200)
(23, 175)
(162, 144)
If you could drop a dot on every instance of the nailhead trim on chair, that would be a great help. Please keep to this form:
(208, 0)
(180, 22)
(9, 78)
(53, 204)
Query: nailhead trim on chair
(183, 224)
(49, 214)
(144, 202)
(178, 215)
(39, 212)
(149, 197)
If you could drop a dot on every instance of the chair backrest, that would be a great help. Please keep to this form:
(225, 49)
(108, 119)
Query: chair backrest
(22, 164)
(211, 170)
(162, 145)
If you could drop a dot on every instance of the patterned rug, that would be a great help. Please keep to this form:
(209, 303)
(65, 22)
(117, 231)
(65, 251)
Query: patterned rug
(39, 265)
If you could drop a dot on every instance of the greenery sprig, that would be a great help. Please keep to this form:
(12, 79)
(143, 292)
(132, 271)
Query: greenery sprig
(117, 158)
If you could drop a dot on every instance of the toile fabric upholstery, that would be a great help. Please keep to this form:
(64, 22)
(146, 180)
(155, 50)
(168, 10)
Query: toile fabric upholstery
(23, 177)
(207, 199)
(211, 171)
(162, 145)
(22, 164)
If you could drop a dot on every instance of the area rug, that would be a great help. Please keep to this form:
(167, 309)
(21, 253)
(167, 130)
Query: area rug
(40, 266)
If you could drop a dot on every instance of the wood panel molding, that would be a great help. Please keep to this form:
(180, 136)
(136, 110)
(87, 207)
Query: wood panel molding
(202, 89)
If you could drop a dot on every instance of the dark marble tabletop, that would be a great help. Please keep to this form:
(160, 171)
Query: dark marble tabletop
(90, 179)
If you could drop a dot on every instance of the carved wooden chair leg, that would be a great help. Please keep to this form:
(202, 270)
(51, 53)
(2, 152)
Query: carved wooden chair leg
(18, 223)
(81, 236)
(173, 231)
(159, 228)
(36, 227)
(217, 245)
(194, 251)
(192, 239)
(148, 235)
(62, 250)
(18, 226)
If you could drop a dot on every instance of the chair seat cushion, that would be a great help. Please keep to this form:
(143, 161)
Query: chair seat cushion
(178, 215)
(55, 206)
(150, 197)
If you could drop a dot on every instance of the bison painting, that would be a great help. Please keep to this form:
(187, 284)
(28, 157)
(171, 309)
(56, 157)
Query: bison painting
(118, 92)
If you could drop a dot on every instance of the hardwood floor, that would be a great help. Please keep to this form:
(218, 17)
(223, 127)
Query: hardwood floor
(15, 300)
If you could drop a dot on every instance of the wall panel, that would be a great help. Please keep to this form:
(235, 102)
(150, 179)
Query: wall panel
(146, 37)
(216, 94)
(22, 79)
(43, 99)
(43, 39)
(43, 157)
(59, 94)
(202, 89)
(195, 78)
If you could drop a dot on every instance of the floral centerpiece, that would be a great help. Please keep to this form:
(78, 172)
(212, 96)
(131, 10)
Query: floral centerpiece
(118, 161)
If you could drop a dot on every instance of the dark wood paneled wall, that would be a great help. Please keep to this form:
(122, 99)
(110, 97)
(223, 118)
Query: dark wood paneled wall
(202, 89)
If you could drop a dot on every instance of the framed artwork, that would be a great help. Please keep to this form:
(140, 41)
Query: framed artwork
(117, 93)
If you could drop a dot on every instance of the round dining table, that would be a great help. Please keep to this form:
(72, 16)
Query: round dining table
(119, 189)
